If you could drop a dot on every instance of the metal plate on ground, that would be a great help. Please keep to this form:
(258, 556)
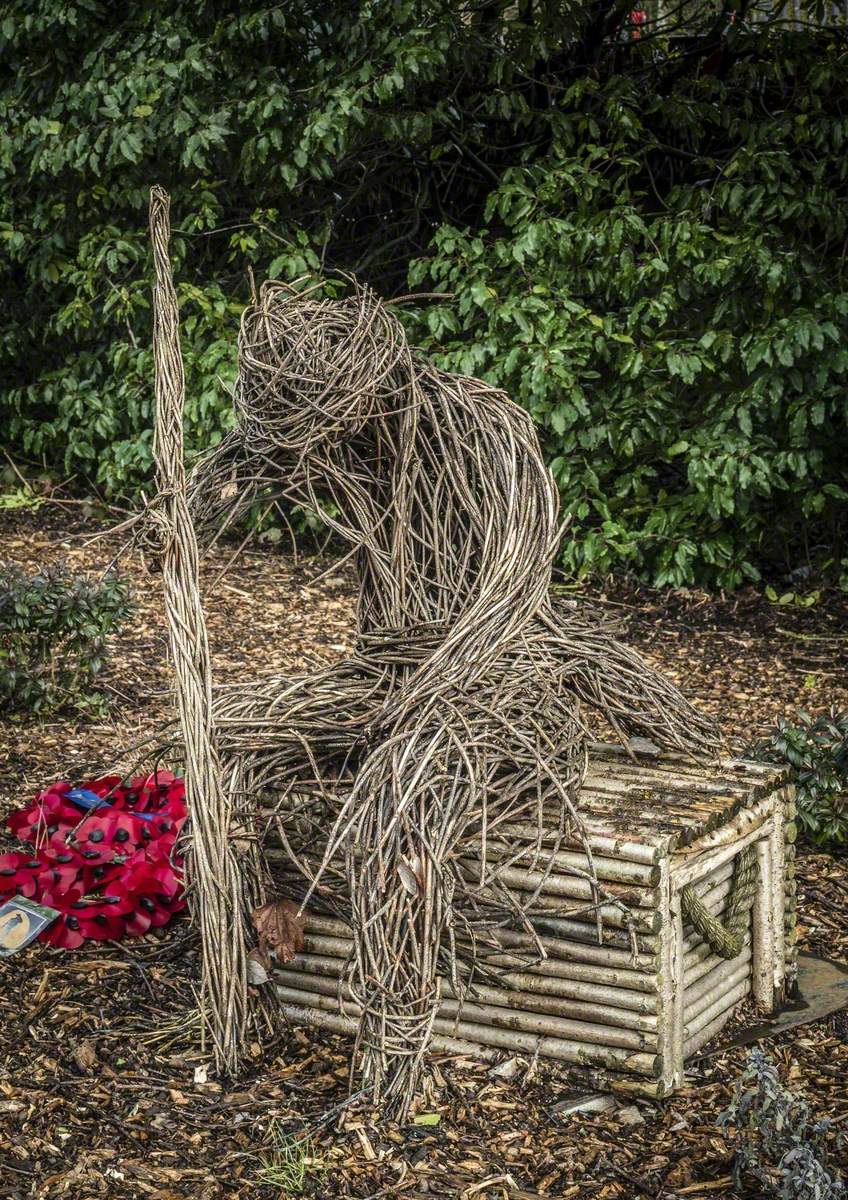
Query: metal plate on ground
(822, 990)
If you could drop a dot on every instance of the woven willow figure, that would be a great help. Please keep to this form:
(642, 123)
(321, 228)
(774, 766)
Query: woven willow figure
(458, 718)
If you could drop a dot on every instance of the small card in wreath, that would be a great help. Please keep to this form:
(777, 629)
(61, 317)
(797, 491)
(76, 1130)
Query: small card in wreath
(21, 921)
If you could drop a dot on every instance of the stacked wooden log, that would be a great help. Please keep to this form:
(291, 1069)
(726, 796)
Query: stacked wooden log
(630, 1009)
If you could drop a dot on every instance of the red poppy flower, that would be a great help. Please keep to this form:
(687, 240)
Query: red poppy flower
(107, 788)
(136, 918)
(149, 793)
(158, 908)
(65, 930)
(61, 877)
(65, 867)
(111, 833)
(168, 822)
(19, 873)
(154, 894)
(133, 872)
(99, 922)
(156, 877)
(45, 816)
(101, 875)
(159, 779)
(140, 799)
(167, 882)
(104, 915)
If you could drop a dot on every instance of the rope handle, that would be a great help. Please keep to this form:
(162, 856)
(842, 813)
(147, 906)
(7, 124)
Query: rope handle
(725, 936)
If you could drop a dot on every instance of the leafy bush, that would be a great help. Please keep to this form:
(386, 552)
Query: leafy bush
(776, 1141)
(644, 240)
(53, 628)
(817, 751)
(686, 360)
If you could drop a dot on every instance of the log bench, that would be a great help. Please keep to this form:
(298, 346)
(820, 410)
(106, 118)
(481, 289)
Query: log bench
(627, 1014)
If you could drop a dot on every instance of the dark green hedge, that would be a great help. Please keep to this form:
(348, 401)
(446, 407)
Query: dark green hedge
(816, 750)
(646, 241)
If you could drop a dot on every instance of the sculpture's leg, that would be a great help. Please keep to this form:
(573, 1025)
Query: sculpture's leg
(295, 717)
(616, 681)
(454, 769)
(395, 846)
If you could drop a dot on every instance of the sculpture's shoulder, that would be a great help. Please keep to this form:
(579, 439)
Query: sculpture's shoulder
(478, 402)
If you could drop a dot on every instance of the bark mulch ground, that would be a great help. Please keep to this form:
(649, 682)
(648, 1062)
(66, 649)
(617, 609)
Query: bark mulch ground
(103, 1089)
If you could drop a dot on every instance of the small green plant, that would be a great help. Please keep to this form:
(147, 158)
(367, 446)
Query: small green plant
(53, 629)
(289, 1161)
(776, 1142)
(796, 599)
(817, 751)
(20, 498)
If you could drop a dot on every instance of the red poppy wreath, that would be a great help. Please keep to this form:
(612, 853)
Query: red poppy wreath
(102, 854)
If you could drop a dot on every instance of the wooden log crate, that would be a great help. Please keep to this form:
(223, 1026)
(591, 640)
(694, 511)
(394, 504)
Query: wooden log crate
(624, 1022)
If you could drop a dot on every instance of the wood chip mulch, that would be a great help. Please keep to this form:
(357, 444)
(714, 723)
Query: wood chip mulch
(103, 1087)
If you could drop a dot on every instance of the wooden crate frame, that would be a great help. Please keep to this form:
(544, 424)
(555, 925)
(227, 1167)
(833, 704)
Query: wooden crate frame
(762, 826)
(655, 826)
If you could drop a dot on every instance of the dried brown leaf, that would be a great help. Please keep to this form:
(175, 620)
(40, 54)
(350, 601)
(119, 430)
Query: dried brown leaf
(85, 1056)
(412, 875)
(258, 966)
(407, 877)
(280, 929)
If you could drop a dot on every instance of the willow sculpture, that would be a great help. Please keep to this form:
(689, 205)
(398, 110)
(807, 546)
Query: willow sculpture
(459, 713)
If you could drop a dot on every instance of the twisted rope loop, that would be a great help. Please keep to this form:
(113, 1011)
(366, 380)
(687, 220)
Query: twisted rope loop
(725, 935)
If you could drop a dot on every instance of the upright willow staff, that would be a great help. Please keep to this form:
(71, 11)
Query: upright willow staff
(223, 884)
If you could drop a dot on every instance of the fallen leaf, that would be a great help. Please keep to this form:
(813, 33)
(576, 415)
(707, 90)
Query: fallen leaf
(280, 929)
(506, 1070)
(85, 1056)
(407, 878)
(257, 968)
(427, 1119)
(411, 875)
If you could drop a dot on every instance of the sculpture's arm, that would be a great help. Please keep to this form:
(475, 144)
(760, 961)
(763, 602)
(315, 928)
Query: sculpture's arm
(224, 483)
